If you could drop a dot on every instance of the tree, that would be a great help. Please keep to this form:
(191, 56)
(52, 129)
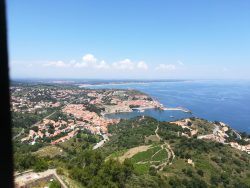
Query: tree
(152, 171)
(51, 131)
(128, 168)
(24, 161)
(214, 180)
(40, 165)
(35, 128)
(55, 184)
(200, 172)
(59, 171)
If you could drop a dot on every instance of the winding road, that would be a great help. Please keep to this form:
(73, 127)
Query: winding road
(100, 144)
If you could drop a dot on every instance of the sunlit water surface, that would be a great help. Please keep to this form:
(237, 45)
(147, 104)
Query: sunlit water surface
(227, 101)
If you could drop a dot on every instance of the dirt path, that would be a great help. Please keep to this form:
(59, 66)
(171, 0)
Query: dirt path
(102, 142)
(165, 146)
(19, 134)
(168, 149)
(157, 151)
(172, 152)
(156, 132)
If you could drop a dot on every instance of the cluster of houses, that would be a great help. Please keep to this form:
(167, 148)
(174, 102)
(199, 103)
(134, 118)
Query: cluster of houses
(93, 122)
(186, 124)
(23, 104)
(245, 148)
(30, 100)
(82, 119)
(122, 101)
(110, 101)
(50, 129)
(219, 134)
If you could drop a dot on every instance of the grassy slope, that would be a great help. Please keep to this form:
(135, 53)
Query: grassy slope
(212, 160)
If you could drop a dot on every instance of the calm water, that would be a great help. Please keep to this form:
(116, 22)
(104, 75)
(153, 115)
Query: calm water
(227, 101)
(160, 115)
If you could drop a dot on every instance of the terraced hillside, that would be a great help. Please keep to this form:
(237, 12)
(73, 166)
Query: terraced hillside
(175, 160)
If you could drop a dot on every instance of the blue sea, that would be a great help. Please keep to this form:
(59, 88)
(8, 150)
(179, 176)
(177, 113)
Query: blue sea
(227, 101)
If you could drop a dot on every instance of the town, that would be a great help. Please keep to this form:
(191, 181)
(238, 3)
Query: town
(72, 110)
(66, 111)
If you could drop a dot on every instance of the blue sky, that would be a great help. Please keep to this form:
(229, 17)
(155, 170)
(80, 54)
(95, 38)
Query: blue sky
(144, 39)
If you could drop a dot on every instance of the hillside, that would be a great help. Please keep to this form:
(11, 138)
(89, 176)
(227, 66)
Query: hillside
(174, 160)
(142, 152)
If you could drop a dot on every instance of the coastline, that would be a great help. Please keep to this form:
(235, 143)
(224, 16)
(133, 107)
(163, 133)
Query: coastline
(127, 83)
(172, 96)
(141, 109)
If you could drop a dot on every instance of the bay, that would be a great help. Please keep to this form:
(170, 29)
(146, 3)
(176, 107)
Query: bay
(220, 100)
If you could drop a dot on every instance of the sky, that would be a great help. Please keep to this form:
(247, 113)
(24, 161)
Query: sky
(132, 39)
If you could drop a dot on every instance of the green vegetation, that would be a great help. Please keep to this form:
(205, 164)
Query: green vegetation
(92, 170)
(133, 92)
(29, 161)
(232, 137)
(49, 151)
(55, 184)
(141, 169)
(59, 115)
(145, 155)
(25, 120)
(49, 184)
(83, 140)
(151, 138)
(213, 164)
(203, 126)
(134, 106)
(94, 108)
(130, 133)
(39, 156)
(160, 156)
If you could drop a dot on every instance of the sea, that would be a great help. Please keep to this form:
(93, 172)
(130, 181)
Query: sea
(214, 100)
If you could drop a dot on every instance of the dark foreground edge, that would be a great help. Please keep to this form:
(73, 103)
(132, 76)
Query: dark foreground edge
(6, 162)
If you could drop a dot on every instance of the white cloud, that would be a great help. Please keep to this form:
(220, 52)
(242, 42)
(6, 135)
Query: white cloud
(90, 62)
(102, 65)
(165, 67)
(142, 65)
(80, 65)
(73, 61)
(89, 58)
(126, 64)
(59, 64)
